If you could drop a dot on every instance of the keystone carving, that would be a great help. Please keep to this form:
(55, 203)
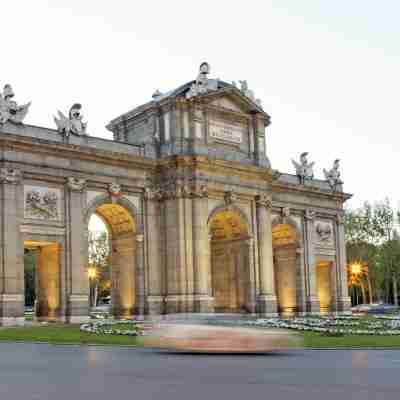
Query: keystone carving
(230, 197)
(114, 189)
(76, 184)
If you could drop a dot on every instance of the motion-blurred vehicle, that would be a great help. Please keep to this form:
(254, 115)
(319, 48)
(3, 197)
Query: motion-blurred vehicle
(190, 337)
(374, 308)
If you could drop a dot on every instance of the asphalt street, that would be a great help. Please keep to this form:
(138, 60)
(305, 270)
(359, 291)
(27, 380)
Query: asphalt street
(41, 372)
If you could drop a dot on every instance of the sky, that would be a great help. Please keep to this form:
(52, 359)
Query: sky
(326, 71)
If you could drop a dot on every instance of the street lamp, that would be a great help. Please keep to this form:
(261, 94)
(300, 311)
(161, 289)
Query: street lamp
(355, 268)
(92, 274)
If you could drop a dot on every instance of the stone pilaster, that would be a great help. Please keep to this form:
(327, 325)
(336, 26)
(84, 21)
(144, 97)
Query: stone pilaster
(203, 302)
(175, 258)
(266, 301)
(155, 298)
(301, 281)
(12, 261)
(343, 300)
(251, 292)
(140, 286)
(312, 300)
(78, 298)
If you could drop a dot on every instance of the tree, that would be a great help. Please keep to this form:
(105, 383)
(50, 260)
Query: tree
(29, 272)
(99, 264)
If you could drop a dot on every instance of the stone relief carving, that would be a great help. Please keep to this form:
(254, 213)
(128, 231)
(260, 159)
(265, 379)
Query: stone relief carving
(10, 175)
(333, 175)
(323, 232)
(264, 200)
(76, 184)
(9, 109)
(42, 203)
(304, 169)
(202, 84)
(114, 189)
(73, 123)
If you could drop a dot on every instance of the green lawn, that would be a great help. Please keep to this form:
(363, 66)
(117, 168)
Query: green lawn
(62, 334)
(313, 339)
(59, 333)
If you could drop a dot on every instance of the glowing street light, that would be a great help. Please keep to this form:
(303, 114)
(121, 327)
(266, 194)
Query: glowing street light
(355, 268)
(92, 273)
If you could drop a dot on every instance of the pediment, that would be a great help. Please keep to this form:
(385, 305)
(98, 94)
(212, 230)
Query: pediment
(233, 100)
(227, 103)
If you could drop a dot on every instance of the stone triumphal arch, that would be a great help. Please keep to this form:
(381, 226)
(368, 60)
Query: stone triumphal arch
(198, 221)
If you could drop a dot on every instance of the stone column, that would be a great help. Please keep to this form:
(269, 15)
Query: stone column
(312, 300)
(266, 301)
(140, 286)
(201, 252)
(78, 299)
(155, 298)
(251, 290)
(12, 297)
(342, 295)
(301, 283)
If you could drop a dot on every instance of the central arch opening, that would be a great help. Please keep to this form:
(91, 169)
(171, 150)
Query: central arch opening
(230, 272)
(284, 241)
(121, 234)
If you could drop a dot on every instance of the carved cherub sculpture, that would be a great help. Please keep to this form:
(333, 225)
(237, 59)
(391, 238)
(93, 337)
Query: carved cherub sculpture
(72, 124)
(304, 169)
(9, 109)
(333, 175)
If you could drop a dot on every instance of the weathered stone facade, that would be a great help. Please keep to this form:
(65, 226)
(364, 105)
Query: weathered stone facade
(198, 220)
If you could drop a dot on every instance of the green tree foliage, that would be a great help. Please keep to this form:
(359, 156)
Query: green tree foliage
(372, 241)
(99, 254)
(30, 269)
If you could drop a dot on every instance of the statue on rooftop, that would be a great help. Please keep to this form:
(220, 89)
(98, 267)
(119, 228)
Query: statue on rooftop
(304, 169)
(72, 124)
(333, 175)
(202, 84)
(9, 109)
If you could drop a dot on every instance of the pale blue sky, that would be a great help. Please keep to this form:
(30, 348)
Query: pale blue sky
(327, 71)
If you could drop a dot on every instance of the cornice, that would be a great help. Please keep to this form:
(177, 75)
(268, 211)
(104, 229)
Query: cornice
(71, 151)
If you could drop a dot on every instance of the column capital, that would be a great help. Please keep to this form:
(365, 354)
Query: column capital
(10, 175)
(340, 218)
(264, 200)
(310, 215)
(76, 184)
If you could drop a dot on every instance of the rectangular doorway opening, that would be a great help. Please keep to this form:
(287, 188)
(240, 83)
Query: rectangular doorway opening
(42, 280)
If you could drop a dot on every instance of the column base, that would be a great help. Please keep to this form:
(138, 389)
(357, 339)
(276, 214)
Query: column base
(267, 305)
(12, 309)
(312, 305)
(343, 304)
(78, 309)
(177, 303)
(203, 303)
(154, 305)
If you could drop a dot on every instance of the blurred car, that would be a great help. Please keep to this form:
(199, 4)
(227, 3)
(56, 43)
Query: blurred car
(374, 308)
(189, 337)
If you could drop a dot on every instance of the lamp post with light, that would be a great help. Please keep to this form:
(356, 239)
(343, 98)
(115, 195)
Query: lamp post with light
(357, 270)
(92, 274)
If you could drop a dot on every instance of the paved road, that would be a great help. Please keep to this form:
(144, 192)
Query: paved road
(41, 372)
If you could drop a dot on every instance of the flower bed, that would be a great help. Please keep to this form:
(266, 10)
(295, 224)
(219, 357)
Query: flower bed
(125, 328)
(339, 325)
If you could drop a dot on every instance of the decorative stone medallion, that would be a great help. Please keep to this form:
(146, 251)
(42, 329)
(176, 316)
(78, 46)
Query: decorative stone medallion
(323, 233)
(42, 203)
